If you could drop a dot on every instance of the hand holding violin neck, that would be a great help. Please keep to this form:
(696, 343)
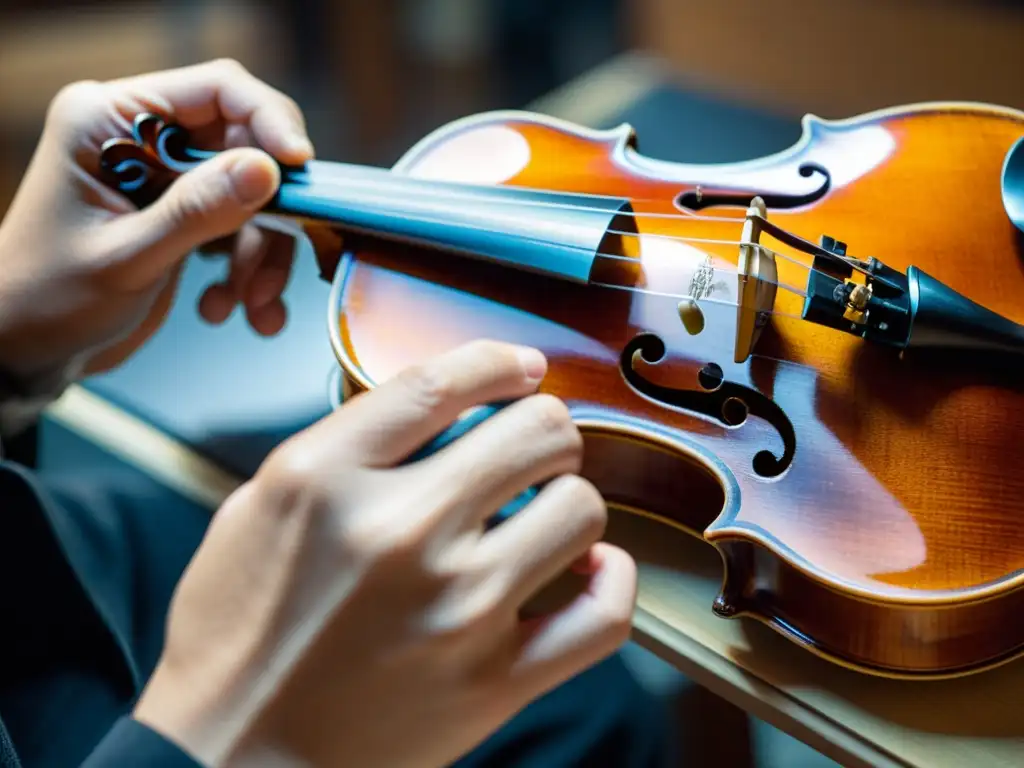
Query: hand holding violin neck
(551, 233)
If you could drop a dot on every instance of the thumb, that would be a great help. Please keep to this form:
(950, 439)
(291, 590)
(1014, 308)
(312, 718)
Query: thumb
(211, 201)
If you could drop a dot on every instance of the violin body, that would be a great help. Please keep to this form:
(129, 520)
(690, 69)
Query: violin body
(866, 502)
(890, 540)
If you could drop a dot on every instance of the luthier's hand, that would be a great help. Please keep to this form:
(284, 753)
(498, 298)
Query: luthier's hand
(345, 610)
(85, 278)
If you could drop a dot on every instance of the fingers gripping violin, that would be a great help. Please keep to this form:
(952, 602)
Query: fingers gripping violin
(810, 360)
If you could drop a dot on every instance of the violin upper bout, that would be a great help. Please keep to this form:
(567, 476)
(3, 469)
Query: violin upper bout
(512, 146)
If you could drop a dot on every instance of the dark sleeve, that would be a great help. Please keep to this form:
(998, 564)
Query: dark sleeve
(130, 742)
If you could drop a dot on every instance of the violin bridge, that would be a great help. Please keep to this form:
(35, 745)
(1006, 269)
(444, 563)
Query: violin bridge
(758, 282)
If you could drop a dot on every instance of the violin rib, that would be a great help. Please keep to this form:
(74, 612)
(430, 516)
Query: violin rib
(887, 536)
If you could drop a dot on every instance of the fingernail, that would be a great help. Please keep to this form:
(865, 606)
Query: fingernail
(251, 180)
(534, 363)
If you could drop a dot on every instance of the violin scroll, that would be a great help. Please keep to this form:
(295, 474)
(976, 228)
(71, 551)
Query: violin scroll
(143, 166)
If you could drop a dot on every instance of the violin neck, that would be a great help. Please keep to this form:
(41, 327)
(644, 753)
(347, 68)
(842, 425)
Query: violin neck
(556, 234)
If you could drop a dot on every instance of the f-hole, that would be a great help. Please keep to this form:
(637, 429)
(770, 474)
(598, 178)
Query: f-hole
(726, 402)
(701, 199)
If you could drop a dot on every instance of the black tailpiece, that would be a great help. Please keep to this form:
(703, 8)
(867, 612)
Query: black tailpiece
(909, 312)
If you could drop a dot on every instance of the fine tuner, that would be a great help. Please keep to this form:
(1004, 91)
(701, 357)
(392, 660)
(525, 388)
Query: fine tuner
(862, 297)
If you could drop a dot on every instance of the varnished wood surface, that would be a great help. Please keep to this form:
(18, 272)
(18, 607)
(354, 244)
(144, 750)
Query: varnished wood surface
(896, 525)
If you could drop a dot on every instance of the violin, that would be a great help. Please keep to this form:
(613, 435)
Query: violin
(810, 360)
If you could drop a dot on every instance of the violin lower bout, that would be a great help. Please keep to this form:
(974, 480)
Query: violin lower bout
(881, 637)
(884, 639)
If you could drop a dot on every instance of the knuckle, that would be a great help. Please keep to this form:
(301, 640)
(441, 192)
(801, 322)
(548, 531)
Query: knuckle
(69, 102)
(197, 202)
(551, 415)
(477, 612)
(369, 537)
(493, 355)
(484, 346)
(293, 108)
(488, 348)
(230, 67)
(291, 472)
(428, 385)
(290, 491)
(617, 620)
(618, 616)
(615, 608)
(384, 529)
(243, 500)
(587, 505)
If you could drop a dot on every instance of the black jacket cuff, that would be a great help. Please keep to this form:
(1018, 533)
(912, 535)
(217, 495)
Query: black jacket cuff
(130, 742)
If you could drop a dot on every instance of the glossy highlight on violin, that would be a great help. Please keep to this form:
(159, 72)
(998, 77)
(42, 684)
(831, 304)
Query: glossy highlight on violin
(809, 360)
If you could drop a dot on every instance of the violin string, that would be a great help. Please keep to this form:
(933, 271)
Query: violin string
(712, 241)
(683, 297)
(388, 187)
(638, 262)
(468, 192)
(471, 193)
(716, 270)
(689, 296)
(706, 241)
(675, 238)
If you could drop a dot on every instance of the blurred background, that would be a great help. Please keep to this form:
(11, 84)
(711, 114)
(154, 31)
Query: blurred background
(374, 75)
(708, 80)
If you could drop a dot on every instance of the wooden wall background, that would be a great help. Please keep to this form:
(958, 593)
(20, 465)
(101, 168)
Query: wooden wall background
(836, 58)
